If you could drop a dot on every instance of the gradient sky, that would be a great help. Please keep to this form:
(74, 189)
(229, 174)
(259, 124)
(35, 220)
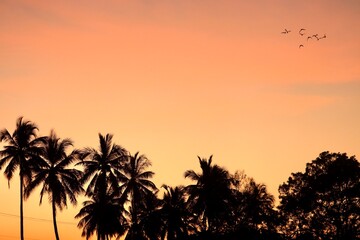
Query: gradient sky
(180, 79)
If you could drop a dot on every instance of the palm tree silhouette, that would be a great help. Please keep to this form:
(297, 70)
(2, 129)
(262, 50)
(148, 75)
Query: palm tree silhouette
(136, 186)
(23, 145)
(175, 214)
(58, 181)
(103, 215)
(103, 167)
(257, 205)
(149, 219)
(210, 196)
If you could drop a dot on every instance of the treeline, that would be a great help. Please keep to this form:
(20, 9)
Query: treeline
(323, 202)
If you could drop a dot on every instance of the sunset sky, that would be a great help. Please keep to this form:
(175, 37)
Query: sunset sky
(177, 79)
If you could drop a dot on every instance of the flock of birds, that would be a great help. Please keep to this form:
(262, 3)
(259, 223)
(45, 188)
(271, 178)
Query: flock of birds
(302, 32)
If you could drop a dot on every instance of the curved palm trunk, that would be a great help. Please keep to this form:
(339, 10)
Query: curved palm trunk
(54, 220)
(21, 209)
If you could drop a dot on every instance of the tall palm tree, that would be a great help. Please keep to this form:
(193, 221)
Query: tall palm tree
(210, 196)
(103, 215)
(22, 146)
(54, 173)
(103, 167)
(136, 185)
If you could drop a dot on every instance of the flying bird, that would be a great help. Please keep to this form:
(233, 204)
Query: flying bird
(286, 31)
(300, 46)
(316, 36)
(301, 31)
(323, 36)
(308, 38)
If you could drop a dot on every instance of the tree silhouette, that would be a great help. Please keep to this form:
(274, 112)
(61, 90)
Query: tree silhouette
(58, 180)
(104, 215)
(103, 167)
(254, 214)
(323, 202)
(211, 195)
(22, 146)
(150, 222)
(175, 214)
(136, 186)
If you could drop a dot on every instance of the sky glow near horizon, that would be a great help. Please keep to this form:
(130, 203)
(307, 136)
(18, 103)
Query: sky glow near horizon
(180, 79)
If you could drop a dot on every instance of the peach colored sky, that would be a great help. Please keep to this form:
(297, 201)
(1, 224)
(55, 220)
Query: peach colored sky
(177, 79)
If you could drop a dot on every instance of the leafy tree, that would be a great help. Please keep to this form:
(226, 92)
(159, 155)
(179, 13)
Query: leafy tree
(22, 146)
(58, 180)
(136, 187)
(324, 201)
(210, 197)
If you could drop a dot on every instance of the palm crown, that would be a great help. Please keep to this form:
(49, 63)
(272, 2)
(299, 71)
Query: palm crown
(53, 172)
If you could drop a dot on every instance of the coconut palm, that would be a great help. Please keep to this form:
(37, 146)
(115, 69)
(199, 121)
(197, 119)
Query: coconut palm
(136, 185)
(150, 221)
(104, 215)
(22, 146)
(175, 214)
(257, 204)
(210, 196)
(103, 167)
(55, 175)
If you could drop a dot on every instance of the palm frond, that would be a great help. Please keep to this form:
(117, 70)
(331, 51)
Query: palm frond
(6, 137)
(192, 175)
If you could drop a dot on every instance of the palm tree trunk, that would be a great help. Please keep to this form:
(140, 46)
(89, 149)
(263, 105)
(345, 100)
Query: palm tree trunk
(54, 220)
(21, 209)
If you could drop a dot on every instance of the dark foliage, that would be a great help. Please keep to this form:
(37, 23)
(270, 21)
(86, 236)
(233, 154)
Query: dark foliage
(324, 201)
(22, 146)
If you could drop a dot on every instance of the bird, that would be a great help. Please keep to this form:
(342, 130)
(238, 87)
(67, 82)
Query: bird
(308, 38)
(300, 46)
(316, 36)
(286, 31)
(323, 36)
(301, 31)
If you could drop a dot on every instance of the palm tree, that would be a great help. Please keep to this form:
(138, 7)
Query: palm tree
(136, 185)
(103, 167)
(103, 215)
(58, 180)
(257, 204)
(211, 195)
(150, 221)
(22, 146)
(254, 216)
(175, 214)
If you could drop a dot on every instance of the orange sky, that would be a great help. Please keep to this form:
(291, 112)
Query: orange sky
(177, 79)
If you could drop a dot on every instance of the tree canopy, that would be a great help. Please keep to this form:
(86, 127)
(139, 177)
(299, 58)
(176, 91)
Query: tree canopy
(324, 201)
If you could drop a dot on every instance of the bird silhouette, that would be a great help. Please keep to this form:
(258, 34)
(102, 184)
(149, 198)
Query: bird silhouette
(286, 31)
(303, 34)
(316, 36)
(301, 31)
